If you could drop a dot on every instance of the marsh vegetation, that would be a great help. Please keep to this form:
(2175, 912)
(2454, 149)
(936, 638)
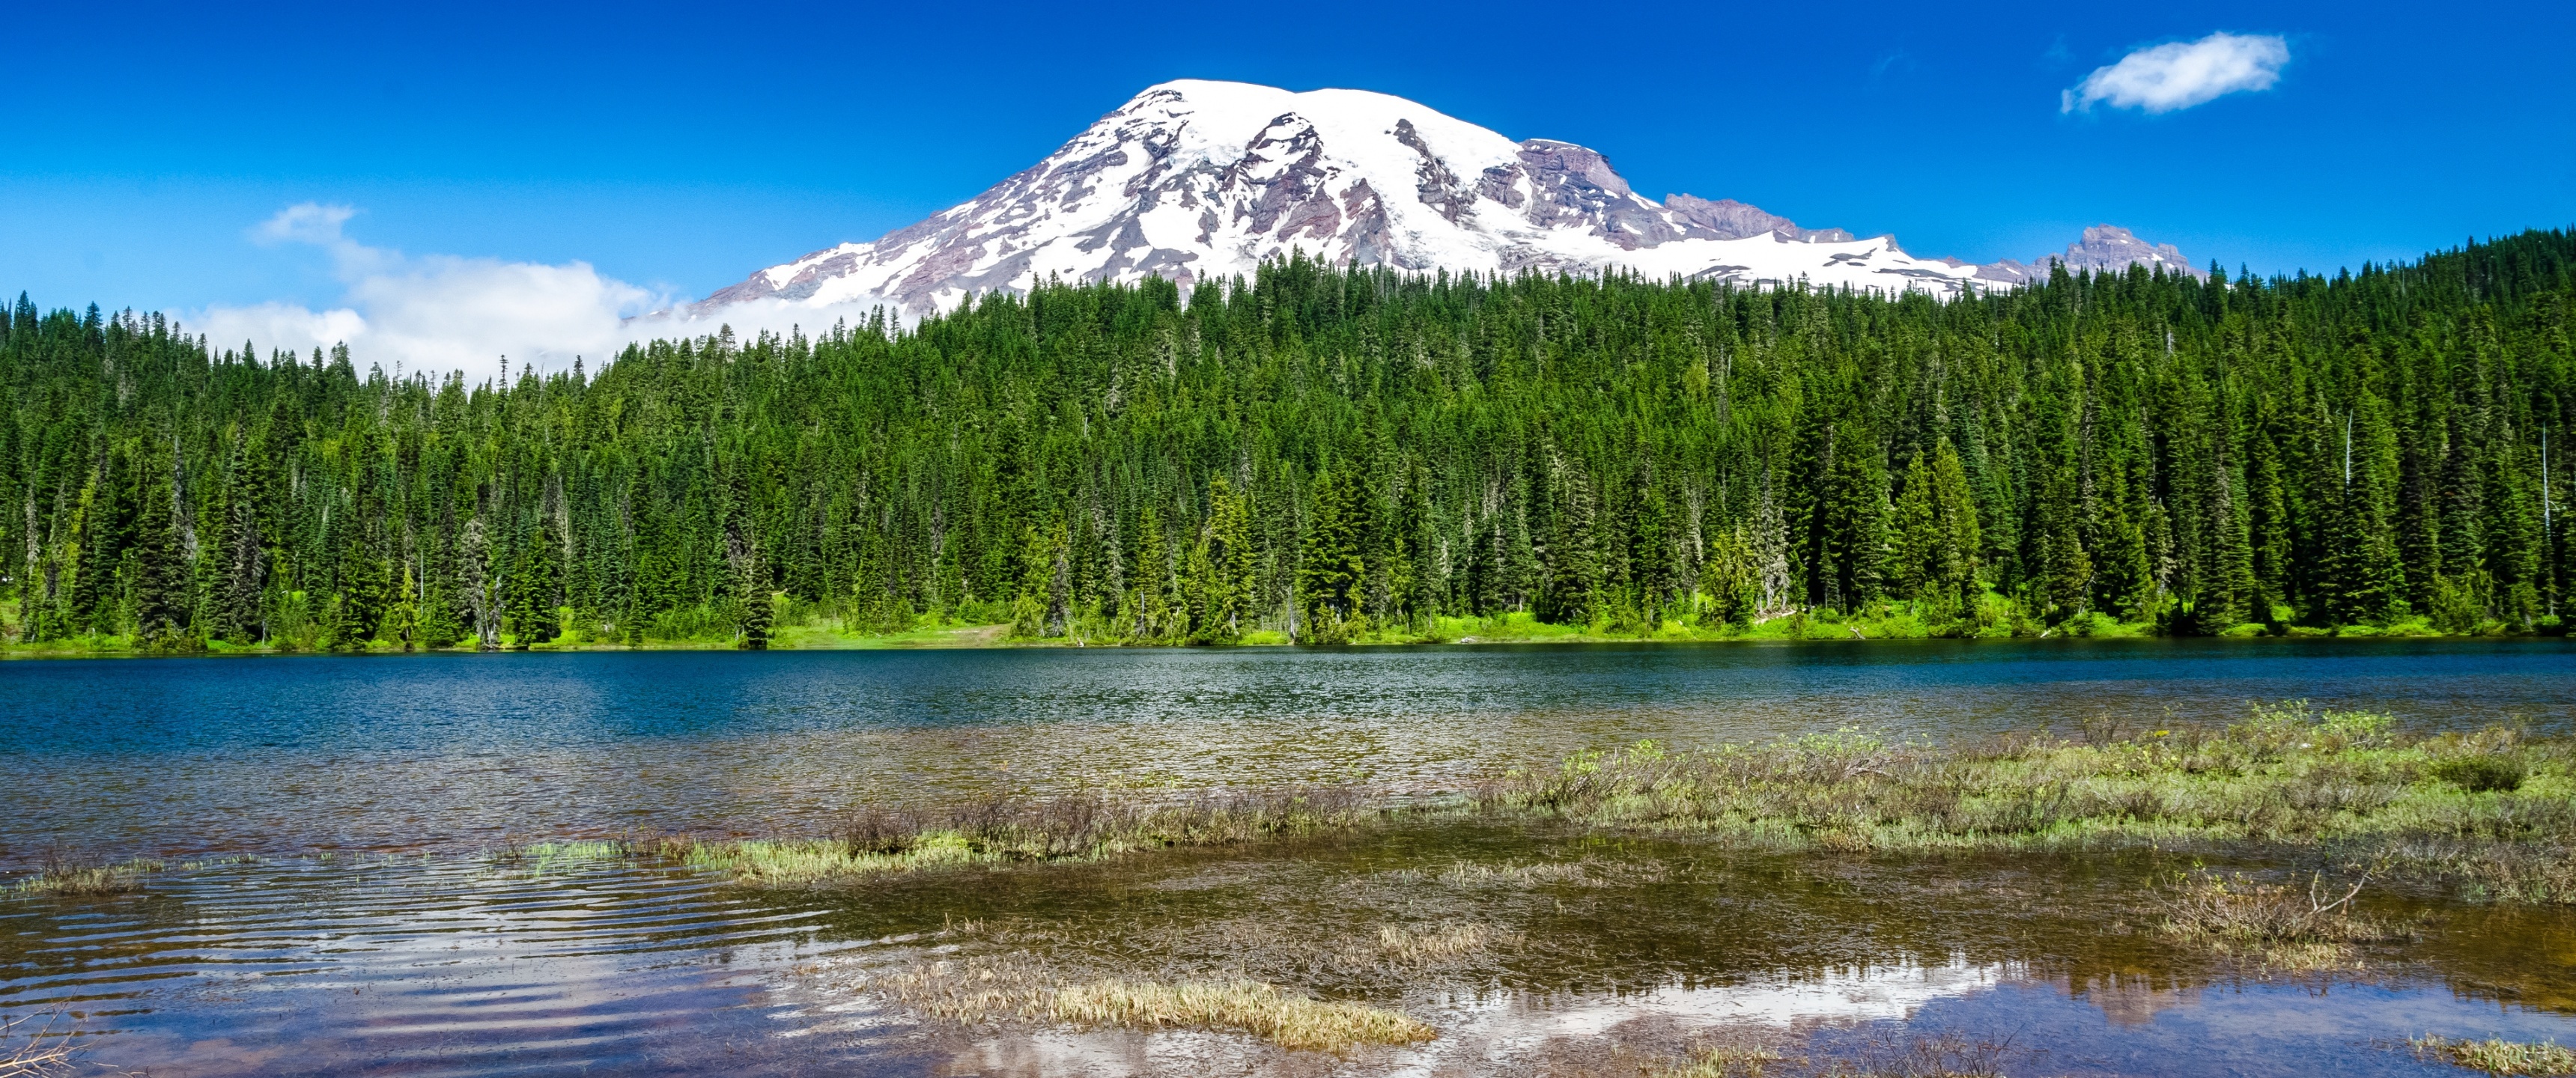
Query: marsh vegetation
(2296, 845)
(2497, 1056)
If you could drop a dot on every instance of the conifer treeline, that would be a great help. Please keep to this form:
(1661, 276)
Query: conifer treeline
(1328, 453)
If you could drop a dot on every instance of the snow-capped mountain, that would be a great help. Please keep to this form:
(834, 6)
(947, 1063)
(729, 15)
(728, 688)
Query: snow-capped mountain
(2103, 247)
(1197, 180)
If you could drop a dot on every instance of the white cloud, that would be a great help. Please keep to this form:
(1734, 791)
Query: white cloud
(437, 313)
(2183, 73)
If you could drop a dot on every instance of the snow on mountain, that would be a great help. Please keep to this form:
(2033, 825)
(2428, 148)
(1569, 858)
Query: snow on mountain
(1196, 180)
(2103, 247)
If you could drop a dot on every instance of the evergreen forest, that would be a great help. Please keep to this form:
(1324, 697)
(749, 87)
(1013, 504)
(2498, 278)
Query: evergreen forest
(1325, 455)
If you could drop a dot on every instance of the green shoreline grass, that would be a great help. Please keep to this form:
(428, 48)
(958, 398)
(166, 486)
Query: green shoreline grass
(1884, 621)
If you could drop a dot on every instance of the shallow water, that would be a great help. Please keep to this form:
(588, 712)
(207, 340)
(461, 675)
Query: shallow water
(439, 966)
(405, 952)
(452, 752)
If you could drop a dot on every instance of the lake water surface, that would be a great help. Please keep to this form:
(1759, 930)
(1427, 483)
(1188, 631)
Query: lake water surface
(451, 752)
(366, 935)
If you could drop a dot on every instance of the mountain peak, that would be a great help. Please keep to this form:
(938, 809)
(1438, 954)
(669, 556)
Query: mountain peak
(2102, 248)
(1196, 180)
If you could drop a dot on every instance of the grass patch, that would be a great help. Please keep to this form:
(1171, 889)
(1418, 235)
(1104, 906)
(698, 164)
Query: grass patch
(976, 992)
(2497, 1056)
(2481, 774)
(1943, 1056)
(2287, 776)
(73, 875)
(1444, 943)
(1007, 831)
(1259, 1009)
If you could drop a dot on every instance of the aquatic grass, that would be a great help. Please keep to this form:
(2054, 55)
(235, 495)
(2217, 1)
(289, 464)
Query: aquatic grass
(2287, 776)
(540, 859)
(74, 875)
(1587, 872)
(2495, 1056)
(1727, 1061)
(1291, 1021)
(1439, 943)
(1947, 1055)
(1005, 831)
(988, 991)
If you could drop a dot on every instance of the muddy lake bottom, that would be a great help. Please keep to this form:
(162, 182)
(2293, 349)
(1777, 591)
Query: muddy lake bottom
(1570, 954)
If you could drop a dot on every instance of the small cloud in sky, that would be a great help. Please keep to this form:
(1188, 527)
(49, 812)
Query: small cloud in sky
(304, 222)
(2182, 74)
(437, 313)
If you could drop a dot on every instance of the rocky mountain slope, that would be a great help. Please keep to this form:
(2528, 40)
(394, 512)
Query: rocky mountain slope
(1196, 180)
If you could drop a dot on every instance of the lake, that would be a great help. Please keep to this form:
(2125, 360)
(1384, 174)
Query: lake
(340, 919)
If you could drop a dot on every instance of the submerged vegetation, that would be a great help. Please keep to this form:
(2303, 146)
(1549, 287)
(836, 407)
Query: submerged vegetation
(1131, 915)
(64, 873)
(996, 832)
(2490, 814)
(2498, 1056)
(2286, 777)
(979, 992)
(1323, 456)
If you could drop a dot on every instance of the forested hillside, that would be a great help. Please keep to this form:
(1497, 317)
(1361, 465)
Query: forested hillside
(1330, 455)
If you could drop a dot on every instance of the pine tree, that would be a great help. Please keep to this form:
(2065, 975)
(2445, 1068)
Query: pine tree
(1149, 605)
(1329, 567)
(537, 586)
(759, 605)
(2065, 568)
(480, 585)
(161, 582)
(1913, 568)
(236, 606)
(1221, 568)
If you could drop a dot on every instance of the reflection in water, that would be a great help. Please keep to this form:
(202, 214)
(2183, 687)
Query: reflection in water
(411, 966)
(446, 966)
(439, 962)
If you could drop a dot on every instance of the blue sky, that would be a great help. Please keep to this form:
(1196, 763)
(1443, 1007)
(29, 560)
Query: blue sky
(679, 147)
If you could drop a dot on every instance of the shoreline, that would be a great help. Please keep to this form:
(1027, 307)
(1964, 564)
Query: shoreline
(996, 637)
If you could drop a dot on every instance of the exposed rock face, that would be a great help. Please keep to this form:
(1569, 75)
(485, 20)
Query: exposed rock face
(1195, 181)
(2103, 248)
(1727, 219)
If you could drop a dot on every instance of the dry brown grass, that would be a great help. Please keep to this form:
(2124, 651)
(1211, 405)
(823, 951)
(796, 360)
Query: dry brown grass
(985, 991)
(2285, 926)
(1723, 1062)
(1943, 1056)
(1259, 1009)
(37, 1052)
(2498, 1056)
(1442, 943)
